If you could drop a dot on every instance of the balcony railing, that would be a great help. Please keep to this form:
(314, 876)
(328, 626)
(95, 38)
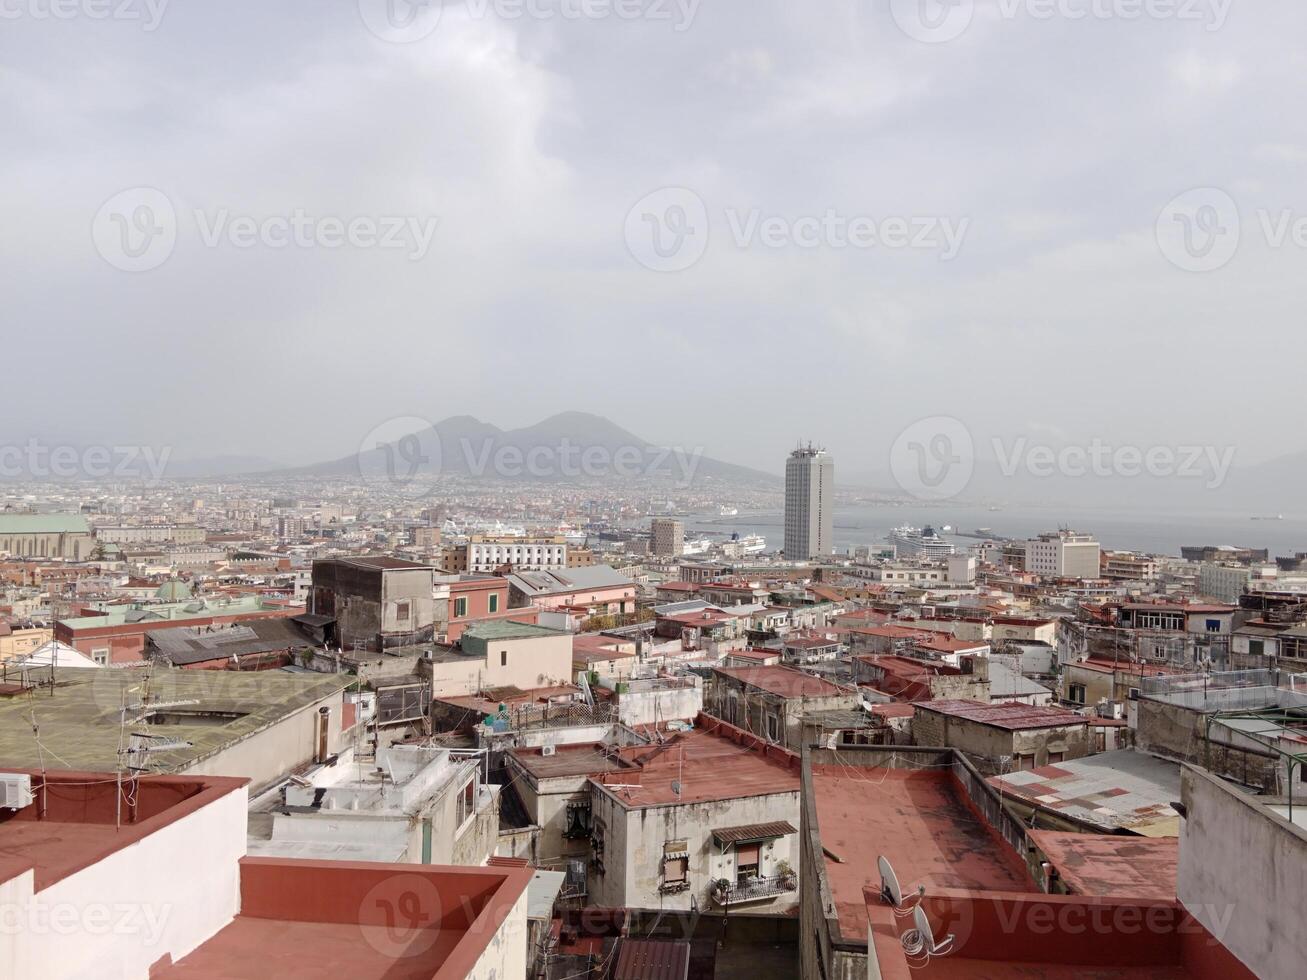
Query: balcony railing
(753, 890)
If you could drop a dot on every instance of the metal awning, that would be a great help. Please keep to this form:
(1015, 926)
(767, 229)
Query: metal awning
(752, 832)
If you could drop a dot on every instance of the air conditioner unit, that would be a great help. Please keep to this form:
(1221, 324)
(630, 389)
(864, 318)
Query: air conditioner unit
(547, 750)
(15, 790)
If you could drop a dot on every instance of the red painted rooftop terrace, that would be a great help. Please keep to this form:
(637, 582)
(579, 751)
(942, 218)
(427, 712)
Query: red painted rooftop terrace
(154, 883)
(940, 828)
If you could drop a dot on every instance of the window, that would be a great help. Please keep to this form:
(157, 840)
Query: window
(578, 820)
(460, 607)
(676, 866)
(1077, 693)
(494, 602)
(1021, 763)
(747, 858)
(1213, 626)
(1256, 647)
(1055, 757)
(503, 658)
(101, 657)
(467, 801)
(773, 728)
(402, 611)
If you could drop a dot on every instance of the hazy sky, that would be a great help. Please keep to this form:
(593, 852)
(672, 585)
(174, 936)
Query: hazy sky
(1049, 145)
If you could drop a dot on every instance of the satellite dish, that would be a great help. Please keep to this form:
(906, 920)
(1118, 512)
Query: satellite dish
(889, 883)
(921, 939)
(890, 889)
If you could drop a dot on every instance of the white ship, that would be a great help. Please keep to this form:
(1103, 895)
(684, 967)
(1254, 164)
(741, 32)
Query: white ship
(912, 542)
(728, 511)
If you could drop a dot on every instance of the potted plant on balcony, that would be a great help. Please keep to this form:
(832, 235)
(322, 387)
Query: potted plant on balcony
(789, 880)
(721, 888)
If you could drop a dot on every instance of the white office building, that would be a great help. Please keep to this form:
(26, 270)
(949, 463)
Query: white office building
(1064, 554)
(809, 504)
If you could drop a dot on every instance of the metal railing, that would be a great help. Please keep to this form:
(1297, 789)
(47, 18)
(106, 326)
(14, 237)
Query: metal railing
(753, 890)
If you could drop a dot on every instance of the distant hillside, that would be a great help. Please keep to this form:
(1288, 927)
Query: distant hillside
(571, 447)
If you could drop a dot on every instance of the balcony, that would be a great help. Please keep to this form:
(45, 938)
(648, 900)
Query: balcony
(753, 890)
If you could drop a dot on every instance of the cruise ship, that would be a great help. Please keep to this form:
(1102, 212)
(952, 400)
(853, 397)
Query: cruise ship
(728, 511)
(912, 542)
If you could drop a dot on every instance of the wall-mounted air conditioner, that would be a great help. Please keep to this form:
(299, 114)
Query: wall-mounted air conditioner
(15, 790)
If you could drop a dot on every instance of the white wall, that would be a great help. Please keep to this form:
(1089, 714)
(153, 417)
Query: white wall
(123, 913)
(1241, 875)
(505, 955)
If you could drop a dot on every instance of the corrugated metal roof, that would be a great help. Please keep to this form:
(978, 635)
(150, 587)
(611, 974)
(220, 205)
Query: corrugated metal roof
(1011, 715)
(1119, 790)
(753, 831)
(652, 959)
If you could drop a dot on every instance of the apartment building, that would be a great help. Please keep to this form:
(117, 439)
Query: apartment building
(667, 537)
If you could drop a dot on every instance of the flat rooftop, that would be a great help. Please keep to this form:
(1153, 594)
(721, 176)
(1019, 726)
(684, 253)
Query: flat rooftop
(785, 682)
(918, 820)
(79, 827)
(1008, 715)
(1111, 865)
(79, 718)
(714, 761)
(329, 919)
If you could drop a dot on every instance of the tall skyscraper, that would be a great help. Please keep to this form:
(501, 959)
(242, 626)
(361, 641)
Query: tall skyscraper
(809, 503)
(668, 537)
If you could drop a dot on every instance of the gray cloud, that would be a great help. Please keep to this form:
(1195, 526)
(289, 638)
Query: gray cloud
(1059, 140)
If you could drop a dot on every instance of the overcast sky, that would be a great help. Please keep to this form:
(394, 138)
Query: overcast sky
(1048, 148)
